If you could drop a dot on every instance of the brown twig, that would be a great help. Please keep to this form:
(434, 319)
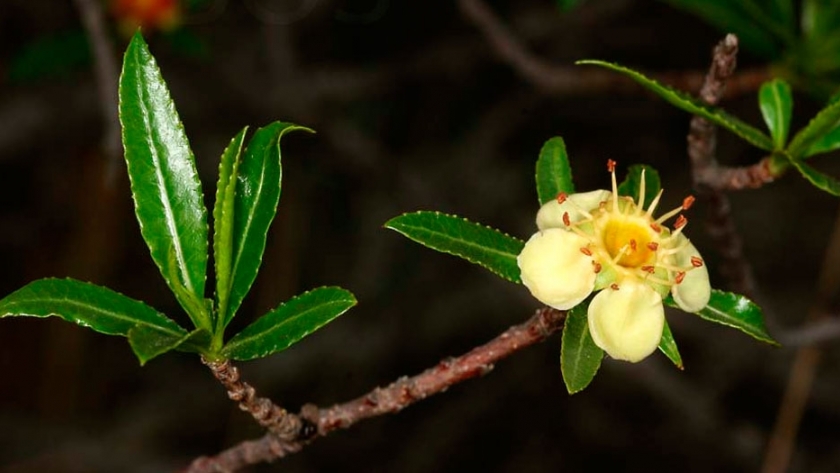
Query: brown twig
(390, 399)
(278, 421)
(710, 179)
(564, 80)
(107, 79)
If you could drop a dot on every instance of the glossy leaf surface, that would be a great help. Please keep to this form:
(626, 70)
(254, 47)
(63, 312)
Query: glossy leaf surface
(736, 311)
(776, 104)
(99, 308)
(819, 135)
(668, 347)
(458, 236)
(254, 206)
(580, 358)
(223, 220)
(694, 106)
(287, 324)
(164, 182)
(554, 175)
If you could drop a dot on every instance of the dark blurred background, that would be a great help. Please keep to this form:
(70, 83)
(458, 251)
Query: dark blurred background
(414, 110)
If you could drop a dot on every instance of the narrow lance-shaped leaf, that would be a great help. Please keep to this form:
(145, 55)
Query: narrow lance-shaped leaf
(580, 358)
(819, 136)
(223, 220)
(254, 206)
(632, 184)
(694, 106)
(668, 346)
(733, 310)
(164, 182)
(98, 308)
(776, 103)
(287, 324)
(819, 180)
(458, 236)
(554, 175)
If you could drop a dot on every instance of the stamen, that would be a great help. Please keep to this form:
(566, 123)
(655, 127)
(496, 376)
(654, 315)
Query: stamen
(669, 214)
(641, 202)
(648, 269)
(655, 227)
(680, 277)
(688, 202)
(653, 246)
(566, 221)
(586, 251)
(681, 222)
(596, 267)
(614, 286)
(611, 169)
(561, 197)
(654, 203)
(696, 261)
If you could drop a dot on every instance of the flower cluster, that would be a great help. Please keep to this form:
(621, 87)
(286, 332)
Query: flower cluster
(162, 15)
(602, 241)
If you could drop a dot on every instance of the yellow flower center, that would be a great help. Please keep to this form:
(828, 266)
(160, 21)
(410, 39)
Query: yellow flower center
(628, 241)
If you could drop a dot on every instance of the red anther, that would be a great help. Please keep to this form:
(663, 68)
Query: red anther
(680, 277)
(561, 197)
(681, 221)
(696, 261)
(648, 269)
(586, 251)
(610, 165)
(614, 286)
(632, 245)
(688, 202)
(653, 246)
(655, 227)
(596, 267)
(566, 221)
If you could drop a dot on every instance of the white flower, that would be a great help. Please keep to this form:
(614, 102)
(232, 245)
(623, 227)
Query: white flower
(600, 241)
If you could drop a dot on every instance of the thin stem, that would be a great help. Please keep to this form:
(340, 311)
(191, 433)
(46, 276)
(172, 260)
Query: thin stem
(390, 399)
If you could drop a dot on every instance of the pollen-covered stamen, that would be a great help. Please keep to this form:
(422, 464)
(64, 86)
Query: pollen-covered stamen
(653, 246)
(681, 222)
(596, 267)
(586, 251)
(648, 269)
(561, 197)
(632, 246)
(688, 202)
(610, 165)
(680, 277)
(655, 227)
(566, 220)
(614, 286)
(696, 261)
(611, 169)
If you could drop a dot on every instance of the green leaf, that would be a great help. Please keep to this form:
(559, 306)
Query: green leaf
(287, 324)
(819, 18)
(819, 180)
(819, 136)
(776, 103)
(580, 358)
(458, 236)
(668, 346)
(223, 221)
(694, 106)
(254, 206)
(99, 308)
(731, 16)
(631, 186)
(733, 310)
(554, 175)
(164, 181)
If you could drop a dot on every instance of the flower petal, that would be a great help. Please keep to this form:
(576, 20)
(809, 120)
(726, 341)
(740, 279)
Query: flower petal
(627, 323)
(554, 269)
(693, 293)
(551, 213)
